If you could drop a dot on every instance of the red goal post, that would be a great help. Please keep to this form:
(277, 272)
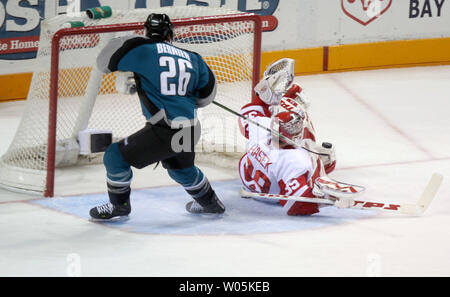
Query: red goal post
(55, 53)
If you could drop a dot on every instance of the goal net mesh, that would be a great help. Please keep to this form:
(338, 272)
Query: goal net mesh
(88, 99)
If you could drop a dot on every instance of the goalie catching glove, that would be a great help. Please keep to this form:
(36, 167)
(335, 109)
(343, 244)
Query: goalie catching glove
(277, 78)
(265, 90)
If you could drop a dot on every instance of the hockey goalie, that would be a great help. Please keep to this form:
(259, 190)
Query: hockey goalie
(288, 160)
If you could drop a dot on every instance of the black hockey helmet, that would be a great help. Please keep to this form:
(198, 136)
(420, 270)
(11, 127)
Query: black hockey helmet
(159, 27)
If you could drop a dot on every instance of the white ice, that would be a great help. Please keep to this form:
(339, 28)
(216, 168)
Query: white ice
(391, 129)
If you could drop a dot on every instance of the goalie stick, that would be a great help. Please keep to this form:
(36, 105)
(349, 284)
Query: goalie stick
(403, 208)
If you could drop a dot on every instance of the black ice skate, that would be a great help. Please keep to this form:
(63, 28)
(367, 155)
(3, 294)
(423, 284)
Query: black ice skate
(110, 212)
(214, 205)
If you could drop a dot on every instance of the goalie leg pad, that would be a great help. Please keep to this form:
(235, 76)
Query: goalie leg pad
(300, 208)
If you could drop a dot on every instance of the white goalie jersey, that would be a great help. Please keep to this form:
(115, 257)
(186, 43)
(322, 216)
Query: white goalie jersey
(267, 169)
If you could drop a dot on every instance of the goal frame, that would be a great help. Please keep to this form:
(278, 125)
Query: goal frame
(54, 68)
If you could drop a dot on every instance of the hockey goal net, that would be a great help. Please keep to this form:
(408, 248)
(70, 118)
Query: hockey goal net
(68, 94)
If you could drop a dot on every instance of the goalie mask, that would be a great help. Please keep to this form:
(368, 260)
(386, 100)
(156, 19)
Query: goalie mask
(159, 27)
(289, 124)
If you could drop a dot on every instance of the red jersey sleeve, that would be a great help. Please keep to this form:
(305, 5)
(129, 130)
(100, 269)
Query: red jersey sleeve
(257, 108)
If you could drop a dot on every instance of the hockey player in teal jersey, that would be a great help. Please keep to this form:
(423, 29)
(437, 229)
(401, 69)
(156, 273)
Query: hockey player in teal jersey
(171, 83)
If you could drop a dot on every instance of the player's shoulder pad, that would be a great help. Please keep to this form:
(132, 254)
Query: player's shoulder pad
(126, 47)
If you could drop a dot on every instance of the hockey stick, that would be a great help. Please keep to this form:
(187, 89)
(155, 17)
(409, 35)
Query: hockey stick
(247, 194)
(403, 208)
(288, 140)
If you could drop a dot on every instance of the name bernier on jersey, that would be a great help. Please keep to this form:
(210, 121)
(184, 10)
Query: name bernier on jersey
(168, 49)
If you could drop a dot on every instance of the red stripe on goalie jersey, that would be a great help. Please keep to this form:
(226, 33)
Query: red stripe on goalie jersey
(298, 186)
(292, 186)
(302, 208)
(252, 110)
(255, 179)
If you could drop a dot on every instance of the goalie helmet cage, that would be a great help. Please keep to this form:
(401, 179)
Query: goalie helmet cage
(68, 94)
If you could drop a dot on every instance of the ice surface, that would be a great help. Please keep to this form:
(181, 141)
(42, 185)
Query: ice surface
(391, 130)
(162, 211)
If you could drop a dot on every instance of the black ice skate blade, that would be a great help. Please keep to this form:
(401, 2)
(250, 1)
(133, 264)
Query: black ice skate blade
(113, 219)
